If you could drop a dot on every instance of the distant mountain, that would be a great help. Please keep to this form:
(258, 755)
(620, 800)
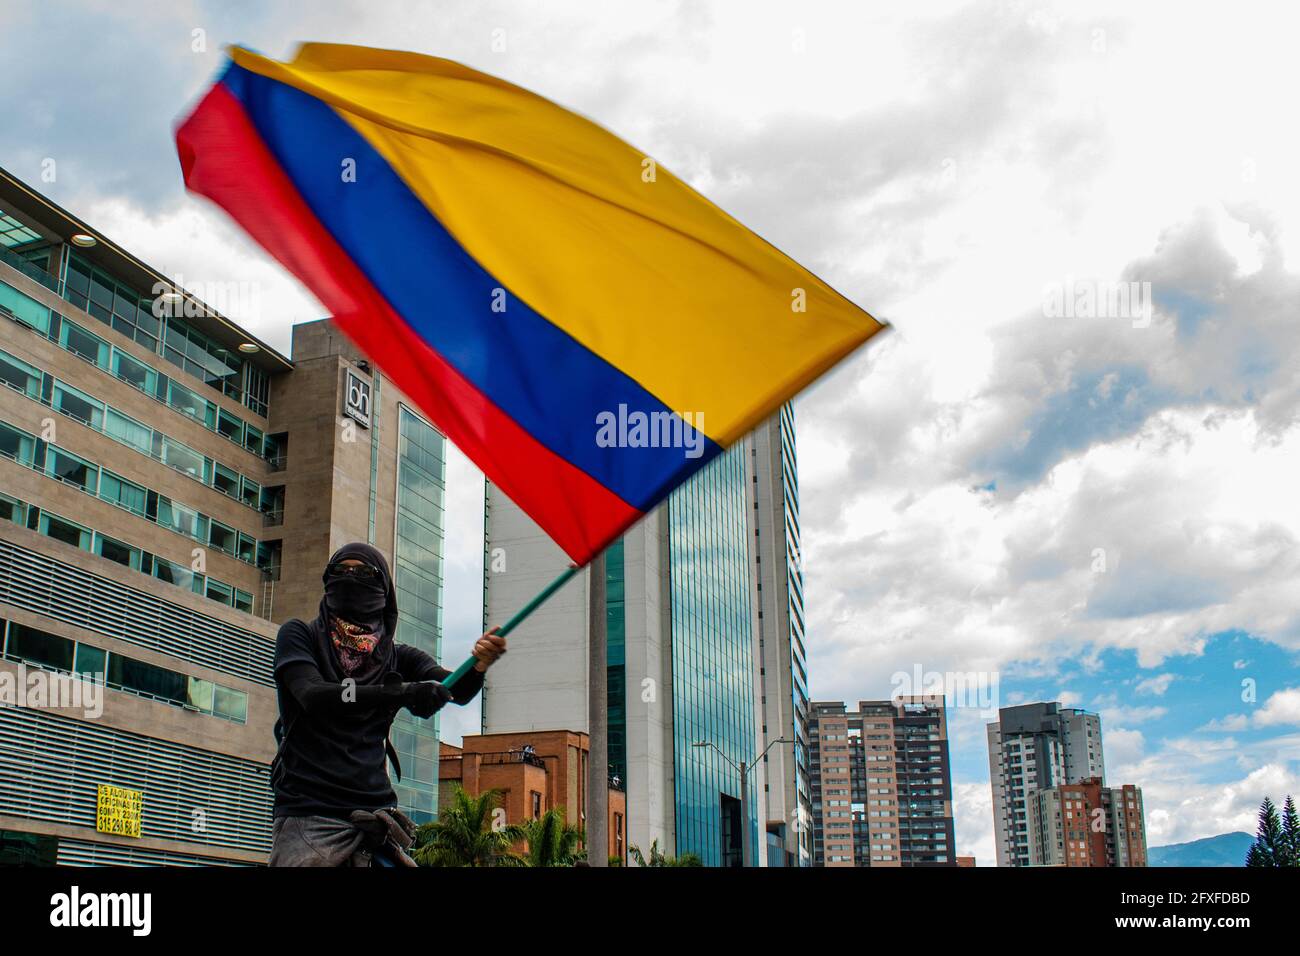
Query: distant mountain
(1226, 849)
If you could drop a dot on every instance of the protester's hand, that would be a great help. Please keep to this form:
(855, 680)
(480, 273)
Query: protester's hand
(427, 698)
(488, 648)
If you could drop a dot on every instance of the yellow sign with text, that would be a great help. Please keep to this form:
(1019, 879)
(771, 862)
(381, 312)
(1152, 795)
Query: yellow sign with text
(118, 811)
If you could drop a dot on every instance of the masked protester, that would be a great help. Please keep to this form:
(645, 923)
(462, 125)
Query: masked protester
(340, 681)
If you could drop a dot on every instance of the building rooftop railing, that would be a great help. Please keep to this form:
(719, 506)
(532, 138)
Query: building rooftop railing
(29, 269)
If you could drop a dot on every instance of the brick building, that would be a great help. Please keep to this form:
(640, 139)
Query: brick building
(536, 771)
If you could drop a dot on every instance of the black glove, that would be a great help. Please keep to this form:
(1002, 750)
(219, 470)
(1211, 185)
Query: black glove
(426, 698)
(389, 829)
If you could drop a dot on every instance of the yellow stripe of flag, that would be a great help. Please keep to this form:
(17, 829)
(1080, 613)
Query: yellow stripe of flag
(623, 256)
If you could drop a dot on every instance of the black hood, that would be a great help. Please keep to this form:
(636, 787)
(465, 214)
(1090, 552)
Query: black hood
(383, 653)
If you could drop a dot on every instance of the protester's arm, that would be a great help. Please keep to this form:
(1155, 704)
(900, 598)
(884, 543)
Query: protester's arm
(319, 696)
(416, 665)
(296, 669)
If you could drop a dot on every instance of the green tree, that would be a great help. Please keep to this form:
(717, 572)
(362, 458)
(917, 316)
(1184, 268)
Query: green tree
(1269, 848)
(463, 835)
(658, 858)
(551, 841)
(1290, 833)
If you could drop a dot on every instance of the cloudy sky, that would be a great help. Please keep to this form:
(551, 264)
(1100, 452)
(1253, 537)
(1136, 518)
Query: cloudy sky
(1070, 494)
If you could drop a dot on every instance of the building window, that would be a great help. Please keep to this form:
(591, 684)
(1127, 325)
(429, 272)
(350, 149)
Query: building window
(225, 480)
(259, 389)
(80, 342)
(184, 459)
(188, 403)
(537, 803)
(27, 311)
(38, 647)
(135, 373)
(91, 661)
(61, 529)
(20, 376)
(182, 519)
(128, 431)
(250, 492)
(11, 509)
(217, 591)
(71, 469)
(221, 537)
(231, 704)
(17, 445)
(253, 439)
(78, 405)
(230, 426)
(117, 551)
(173, 573)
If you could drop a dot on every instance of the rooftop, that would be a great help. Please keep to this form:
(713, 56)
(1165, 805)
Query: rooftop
(30, 221)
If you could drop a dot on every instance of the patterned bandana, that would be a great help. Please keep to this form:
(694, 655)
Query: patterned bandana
(353, 644)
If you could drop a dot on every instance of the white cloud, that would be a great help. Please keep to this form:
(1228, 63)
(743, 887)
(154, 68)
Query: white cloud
(1119, 717)
(1282, 707)
(1232, 723)
(1124, 746)
(973, 822)
(1155, 685)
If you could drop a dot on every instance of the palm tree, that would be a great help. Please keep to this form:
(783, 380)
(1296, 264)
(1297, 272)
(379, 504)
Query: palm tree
(551, 841)
(657, 858)
(463, 835)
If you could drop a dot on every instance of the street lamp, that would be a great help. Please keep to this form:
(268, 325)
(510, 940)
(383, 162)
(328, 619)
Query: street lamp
(743, 769)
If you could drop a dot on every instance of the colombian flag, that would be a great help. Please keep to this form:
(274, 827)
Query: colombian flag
(561, 308)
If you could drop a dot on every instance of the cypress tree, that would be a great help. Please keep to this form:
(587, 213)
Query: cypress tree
(1268, 848)
(1290, 834)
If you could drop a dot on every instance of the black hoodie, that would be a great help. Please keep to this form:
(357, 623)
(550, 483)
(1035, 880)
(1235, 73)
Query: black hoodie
(332, 745)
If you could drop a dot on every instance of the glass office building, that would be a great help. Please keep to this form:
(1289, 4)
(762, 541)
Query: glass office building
(417, 572)
(616, 661)
(712, 660)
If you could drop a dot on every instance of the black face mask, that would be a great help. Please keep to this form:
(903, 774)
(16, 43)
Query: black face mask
(356, 600)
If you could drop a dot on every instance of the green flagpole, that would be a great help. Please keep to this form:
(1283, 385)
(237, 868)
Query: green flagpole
(515, 621)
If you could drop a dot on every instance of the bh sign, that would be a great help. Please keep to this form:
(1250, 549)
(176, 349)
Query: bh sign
(356, 399)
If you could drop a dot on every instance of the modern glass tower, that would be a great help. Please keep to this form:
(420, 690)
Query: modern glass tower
(712, 659)
(417, 574)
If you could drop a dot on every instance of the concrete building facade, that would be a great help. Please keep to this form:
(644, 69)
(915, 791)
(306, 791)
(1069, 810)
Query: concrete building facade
(881, 784)
(1036, 747)
(778, 569)
(170, 490)
(1089, 824)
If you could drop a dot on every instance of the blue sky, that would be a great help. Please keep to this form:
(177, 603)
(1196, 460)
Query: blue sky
(1094, 508)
